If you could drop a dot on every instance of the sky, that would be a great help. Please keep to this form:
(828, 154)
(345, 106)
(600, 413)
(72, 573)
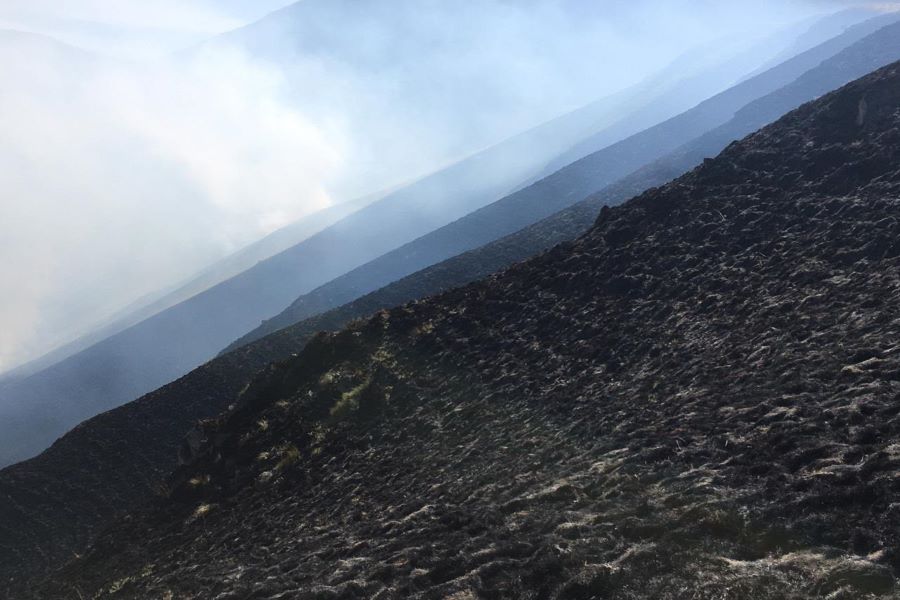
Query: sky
(133, 154)
(132, 28)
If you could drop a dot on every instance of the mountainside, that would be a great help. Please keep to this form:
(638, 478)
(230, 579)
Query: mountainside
(50, 506)
(594, 172)
(696, 399)
(36, 409)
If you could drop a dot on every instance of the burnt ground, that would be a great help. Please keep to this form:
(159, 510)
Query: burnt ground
(696, 399)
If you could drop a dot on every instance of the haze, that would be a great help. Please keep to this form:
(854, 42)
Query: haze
(140, 145)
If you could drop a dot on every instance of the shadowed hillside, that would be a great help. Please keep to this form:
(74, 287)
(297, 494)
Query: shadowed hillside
(695, 399)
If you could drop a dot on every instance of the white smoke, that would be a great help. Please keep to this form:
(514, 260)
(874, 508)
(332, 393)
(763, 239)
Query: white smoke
(127, 168)
(118, 179)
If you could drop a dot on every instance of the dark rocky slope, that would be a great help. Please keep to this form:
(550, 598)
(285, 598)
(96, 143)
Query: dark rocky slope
(49, 507)
(696, 399)
(604, 167)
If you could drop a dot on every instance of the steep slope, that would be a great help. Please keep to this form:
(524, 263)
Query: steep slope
(53, 504)
(696, 399)
(49, 506)
(38, 408)
(594, 172)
